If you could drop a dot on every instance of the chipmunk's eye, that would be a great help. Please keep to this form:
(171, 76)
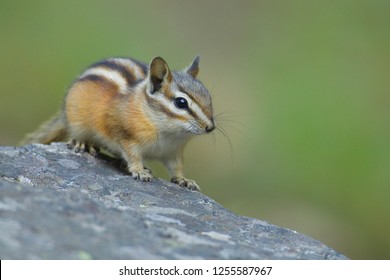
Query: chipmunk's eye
(181, 103)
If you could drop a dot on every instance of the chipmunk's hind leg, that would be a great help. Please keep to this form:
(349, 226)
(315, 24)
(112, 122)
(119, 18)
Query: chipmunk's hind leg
(81, 147)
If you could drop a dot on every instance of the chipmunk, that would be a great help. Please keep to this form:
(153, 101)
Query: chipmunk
(135, 111)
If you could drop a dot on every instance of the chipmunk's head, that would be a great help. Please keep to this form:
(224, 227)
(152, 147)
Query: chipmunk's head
(179, 101)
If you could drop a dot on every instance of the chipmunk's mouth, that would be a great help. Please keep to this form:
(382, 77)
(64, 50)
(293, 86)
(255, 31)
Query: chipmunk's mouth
(194, 128)
(200, 128)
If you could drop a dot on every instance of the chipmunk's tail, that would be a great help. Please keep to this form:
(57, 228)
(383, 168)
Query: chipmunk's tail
(53, 130)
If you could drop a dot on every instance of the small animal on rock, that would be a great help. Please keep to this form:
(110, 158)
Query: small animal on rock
(135, 111)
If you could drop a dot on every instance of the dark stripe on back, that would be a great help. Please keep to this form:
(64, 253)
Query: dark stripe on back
(122, 70)
(144, 68)
(93, 78)
(102, 81)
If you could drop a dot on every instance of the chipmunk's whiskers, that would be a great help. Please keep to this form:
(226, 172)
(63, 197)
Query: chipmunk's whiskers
(223, 132)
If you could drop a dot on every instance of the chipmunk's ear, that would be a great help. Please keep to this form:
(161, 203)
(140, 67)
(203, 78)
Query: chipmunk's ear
(193, 69)
(159, 73)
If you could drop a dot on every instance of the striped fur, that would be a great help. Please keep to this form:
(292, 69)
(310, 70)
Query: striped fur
(130, 108)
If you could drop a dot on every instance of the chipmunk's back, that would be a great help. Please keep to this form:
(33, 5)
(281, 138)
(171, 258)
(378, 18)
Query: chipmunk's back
(125, 73)
(101, 105)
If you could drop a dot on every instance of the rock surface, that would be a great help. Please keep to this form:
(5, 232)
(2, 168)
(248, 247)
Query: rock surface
(55, 204)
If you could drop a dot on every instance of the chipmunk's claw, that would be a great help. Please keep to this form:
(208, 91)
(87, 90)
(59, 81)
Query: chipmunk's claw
(81, 147)
(186, 183)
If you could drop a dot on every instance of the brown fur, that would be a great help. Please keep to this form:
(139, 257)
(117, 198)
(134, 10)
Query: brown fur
(95, 107)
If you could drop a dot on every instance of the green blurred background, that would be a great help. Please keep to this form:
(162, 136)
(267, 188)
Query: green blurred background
(303, 88)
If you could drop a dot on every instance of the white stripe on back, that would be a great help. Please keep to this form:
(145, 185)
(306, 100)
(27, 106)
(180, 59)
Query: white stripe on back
(111, 75)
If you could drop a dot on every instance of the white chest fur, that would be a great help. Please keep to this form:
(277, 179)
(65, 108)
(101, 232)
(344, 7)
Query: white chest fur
(166, 146)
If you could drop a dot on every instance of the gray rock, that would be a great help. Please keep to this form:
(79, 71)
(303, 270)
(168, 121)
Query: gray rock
(55, 204)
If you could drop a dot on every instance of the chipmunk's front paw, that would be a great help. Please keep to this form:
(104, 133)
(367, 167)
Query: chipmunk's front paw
(186, 183)
(81, 147)
(143, 175)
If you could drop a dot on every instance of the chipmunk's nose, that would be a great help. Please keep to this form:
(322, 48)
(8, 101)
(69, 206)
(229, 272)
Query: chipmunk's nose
(211, 127)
